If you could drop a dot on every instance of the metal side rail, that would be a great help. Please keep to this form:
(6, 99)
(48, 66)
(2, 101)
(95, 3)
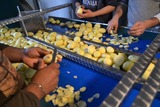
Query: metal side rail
(116, 97)
(94, 65)
(149, 89)
(18, 18)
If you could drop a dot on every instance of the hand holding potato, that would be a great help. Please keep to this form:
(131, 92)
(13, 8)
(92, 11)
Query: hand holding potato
(112, 25)
(44, 81)
(32, 56)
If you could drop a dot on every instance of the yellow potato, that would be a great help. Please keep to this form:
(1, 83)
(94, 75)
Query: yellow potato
(102, 50)
(100, 60)
(106, 55)
(148, 71)
(115, 66)
(83, 47)
(97, 25)
(77, 39)
(57, 21)
(88, 30)
(71, 45)
(47, 58)
(108, 61)
(110, 49)
(89, 24)
(76, 25)
(97, 54)
(133, 58)
(91, 49)
(59, 37)
(99, 35)
(88, 55)
(95, 39)
(125, 56)
(58, 42)
(127, 65)
(118, 60)
(79, 34)
(62, 24)
(102, 30)
(76, 49)
(51, 19)
(80, 10)
(80, 52)
(94, 58)
(112, 55)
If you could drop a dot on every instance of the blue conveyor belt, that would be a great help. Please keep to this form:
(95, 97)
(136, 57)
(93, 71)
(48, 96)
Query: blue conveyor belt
(94, 82)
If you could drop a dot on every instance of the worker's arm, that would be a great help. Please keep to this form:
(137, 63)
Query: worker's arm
(139, 27)
(29, 56)
(113, 23)
(21, 99)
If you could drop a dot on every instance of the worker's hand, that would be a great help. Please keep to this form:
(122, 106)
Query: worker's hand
(33, 55)
(76, 12)
(137, 29)
(112, 25)
(86, 14)
(47, 78)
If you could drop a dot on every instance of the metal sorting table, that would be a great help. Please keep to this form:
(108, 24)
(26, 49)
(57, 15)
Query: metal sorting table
(100, 84)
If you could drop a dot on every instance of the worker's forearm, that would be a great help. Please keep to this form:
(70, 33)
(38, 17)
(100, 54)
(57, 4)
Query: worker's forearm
(118, 12)
(13, 54)
(151, 22)
(104, 10)
(23, 99)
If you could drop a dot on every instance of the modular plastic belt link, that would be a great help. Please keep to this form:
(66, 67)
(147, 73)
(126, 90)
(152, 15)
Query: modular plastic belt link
(116, 97)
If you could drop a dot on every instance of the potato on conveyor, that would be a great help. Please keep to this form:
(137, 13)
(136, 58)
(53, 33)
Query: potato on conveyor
(148, 71)
(127, 65)
(133, 58)
(110, 49)
(108, 61)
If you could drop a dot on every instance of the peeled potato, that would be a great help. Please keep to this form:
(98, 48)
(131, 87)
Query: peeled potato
(80, 52)
(112, 55)
(107, 61)
(102, 50)
(97, 54)
(59, 37)
(91, 49)
(71, 45)
(79, 34)
(115, 66)
(110, 49)
(127, 65)
(88, 55)
(118, 60)
(79, 10)
(102, 30)
(47, 58)
(58, 42)
(148, 71)
(124, 55)
(30, 33)
(100, 60)
(105, 55)
(77, 39)
(133, 58)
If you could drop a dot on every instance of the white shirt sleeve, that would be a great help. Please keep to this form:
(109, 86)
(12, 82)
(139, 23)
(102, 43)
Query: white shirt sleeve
(158, 16)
